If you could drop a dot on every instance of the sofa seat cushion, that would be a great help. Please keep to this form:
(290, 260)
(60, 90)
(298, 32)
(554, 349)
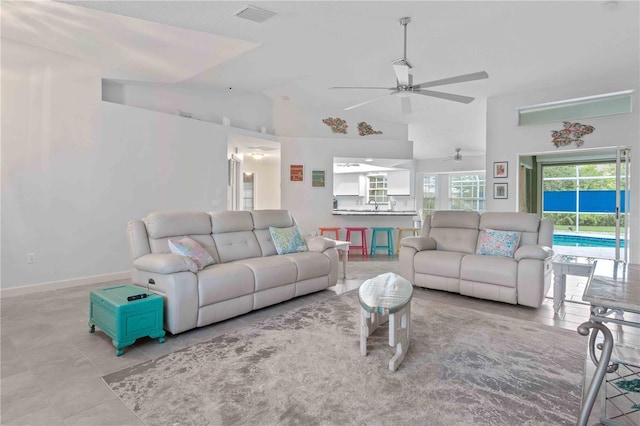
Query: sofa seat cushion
(438, 262)
(490, 269)
(226, 281)
(310, 264)
(271, 271)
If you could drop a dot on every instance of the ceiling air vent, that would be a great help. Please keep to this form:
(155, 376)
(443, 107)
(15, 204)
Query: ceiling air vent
(255, 14)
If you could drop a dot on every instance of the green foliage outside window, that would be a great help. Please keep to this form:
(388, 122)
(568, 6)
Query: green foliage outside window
(597, 176)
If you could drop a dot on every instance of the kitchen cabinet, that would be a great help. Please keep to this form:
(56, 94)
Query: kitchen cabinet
(399, 182)
(347, 184)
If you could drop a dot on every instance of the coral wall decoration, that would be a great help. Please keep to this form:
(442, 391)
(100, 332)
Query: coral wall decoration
(572, 132)
(365, 129)
(338, 125)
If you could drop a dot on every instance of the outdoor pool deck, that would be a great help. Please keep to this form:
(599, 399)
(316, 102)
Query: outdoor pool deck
(597, 252)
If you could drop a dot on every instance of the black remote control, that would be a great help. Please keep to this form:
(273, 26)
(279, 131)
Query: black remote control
(137, 297)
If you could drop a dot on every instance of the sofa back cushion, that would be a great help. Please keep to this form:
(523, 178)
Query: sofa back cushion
(525, 223)
(262, 220)
(162, 226)
(454, 230)
(233, 234)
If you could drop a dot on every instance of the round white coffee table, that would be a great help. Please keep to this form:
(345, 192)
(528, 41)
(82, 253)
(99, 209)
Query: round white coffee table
(386, 297)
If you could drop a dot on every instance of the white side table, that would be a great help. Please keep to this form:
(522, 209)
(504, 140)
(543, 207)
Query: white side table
(343, 246)
(386, 297)
(564, 265)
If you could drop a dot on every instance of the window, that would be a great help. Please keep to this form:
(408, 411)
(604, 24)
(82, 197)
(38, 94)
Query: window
(467, 192)
(429, 193)
(572, 109)
(377, 188)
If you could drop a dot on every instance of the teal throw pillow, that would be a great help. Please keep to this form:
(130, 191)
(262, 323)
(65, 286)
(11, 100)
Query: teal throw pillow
(287, 240)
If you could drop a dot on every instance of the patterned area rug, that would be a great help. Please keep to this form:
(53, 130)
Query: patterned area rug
(463, 367)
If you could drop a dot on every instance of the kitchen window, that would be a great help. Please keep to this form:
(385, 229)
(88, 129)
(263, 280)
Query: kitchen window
(377, 189)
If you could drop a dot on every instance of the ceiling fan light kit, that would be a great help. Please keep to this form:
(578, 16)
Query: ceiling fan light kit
(404, 82)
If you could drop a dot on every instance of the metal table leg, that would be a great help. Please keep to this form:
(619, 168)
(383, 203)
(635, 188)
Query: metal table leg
(602, 365)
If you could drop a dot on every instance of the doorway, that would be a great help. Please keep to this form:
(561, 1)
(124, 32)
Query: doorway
(248, 198)
(585, 193)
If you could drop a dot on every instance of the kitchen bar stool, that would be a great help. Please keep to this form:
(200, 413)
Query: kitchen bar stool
(414, 232)
(363, 239)
(374, 242)
(334, 230)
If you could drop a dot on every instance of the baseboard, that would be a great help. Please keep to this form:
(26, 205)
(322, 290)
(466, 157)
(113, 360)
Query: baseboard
(57, 285)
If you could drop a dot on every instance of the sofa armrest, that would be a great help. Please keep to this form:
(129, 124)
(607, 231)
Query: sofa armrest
(533, 252)
(319, 244)
(419, 243)
(161, 263)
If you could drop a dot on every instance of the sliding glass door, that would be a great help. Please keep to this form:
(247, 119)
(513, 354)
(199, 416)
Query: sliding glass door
(586, 194)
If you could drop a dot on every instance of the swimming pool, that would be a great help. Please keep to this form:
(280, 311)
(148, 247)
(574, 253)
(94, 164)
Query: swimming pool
(584, 241)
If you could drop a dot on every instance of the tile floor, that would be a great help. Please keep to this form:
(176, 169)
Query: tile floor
(51, 366)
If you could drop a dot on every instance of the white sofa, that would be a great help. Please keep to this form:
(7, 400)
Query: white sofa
(444, 257)
(247, 274)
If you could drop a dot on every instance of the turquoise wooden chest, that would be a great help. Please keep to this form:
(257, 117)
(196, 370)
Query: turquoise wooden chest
(126, 320)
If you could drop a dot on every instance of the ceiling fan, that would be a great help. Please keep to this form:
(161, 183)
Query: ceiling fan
(457, 157)
(405, 86)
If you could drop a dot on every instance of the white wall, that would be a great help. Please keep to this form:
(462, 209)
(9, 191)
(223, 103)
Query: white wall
(447, 165)
(312, 207)
(76, 169)
(293, 120)
(505, 140)
(51, 119)
(246, 110)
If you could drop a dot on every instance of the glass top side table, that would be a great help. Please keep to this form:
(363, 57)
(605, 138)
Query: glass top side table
(564, 265)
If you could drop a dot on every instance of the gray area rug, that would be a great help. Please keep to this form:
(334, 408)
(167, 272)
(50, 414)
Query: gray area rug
(463, 367)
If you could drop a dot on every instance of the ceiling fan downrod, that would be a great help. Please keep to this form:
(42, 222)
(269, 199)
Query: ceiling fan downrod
(404, 21)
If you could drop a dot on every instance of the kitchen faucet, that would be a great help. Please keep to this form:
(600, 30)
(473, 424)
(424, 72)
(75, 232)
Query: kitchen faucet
(375, 202)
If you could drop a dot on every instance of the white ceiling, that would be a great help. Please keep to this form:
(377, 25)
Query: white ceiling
(312, 45)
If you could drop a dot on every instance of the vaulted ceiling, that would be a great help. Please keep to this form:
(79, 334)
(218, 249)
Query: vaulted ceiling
(309, 46)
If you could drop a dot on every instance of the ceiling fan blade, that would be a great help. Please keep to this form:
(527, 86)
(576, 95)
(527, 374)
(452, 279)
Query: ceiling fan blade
(405, 104)
(401, 69)
(362, 87)
(458, 79)
(447, 96)
(369, 101)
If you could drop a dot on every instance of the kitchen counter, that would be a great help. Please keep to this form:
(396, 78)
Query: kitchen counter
(374, 213)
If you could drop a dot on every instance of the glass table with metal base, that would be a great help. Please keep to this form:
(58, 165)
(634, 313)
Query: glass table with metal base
(611, 296)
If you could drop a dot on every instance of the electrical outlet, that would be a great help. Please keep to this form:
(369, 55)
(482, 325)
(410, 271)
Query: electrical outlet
(31, 258)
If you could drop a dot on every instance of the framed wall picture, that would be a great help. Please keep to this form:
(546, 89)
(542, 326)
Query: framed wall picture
(500, 169)
(296, 173)
(500, 190)
(317, 178)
